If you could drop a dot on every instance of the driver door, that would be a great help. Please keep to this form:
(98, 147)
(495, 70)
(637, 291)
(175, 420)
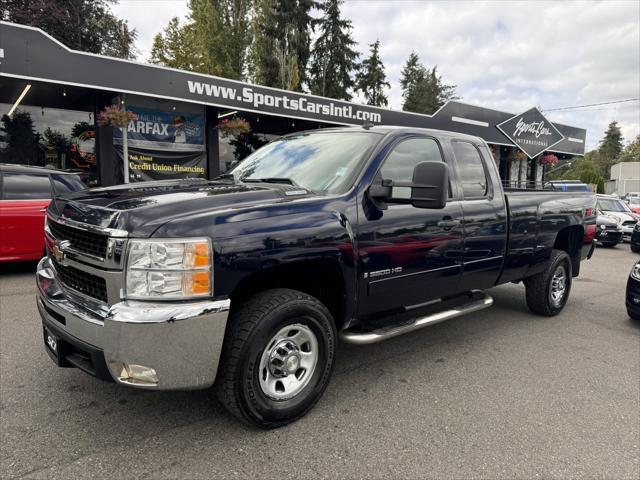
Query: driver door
(408, 255)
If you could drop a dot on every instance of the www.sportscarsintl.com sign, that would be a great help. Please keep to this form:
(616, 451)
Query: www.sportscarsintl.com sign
(32, 55)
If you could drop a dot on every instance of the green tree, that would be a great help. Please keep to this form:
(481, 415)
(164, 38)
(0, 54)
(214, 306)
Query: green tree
(371, 79)
(631, 152)
(20, 139)
(281, 43)
(610, 148)
(86, 25)
(333, 58)
(221, 31)
(176, 47)
(423, 89)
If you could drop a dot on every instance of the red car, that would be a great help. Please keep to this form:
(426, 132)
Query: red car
(634, 204)
(25, 193)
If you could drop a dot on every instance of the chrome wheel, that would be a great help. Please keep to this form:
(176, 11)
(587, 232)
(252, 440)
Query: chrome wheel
(288, 362)
(558, 288)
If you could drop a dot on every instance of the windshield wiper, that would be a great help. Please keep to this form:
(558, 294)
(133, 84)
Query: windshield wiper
(226, 176)
(285, 180)
(270, 180)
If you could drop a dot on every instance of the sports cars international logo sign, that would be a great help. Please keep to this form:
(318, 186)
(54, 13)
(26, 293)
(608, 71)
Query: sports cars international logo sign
(531, 131)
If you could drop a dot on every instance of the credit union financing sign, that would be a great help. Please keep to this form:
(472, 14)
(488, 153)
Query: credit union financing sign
(532, 132)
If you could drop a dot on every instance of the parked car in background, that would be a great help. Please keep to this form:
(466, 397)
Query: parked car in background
(567, 186)
(25, 194)
(609, 233)
(634, 204)
(618, 209)
(635, 239)
(633, 292)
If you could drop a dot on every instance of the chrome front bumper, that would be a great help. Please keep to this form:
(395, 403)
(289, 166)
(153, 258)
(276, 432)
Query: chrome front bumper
(181, 342)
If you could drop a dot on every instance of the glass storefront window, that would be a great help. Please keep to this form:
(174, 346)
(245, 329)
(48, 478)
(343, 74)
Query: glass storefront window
(48, 137)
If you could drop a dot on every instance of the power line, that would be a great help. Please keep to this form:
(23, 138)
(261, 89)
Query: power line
(601, 109)
(591, 105)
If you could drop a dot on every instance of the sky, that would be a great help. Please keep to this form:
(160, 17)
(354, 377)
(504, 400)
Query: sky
(504, 55)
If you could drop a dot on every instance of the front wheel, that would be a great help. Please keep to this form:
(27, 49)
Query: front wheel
(277, 358)
(548, 291)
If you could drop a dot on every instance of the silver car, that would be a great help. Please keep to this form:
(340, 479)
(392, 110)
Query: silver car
(618, 209)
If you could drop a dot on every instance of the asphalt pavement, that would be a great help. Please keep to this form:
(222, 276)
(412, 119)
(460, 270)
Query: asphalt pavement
(496, 394)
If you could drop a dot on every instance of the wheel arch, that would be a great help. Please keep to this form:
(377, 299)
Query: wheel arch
(320, 278)
(570, 239)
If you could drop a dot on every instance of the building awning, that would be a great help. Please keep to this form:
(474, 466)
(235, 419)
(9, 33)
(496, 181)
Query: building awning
(30, 54)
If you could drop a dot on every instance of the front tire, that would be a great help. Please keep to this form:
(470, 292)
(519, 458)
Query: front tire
(548, 291)
(277, 357)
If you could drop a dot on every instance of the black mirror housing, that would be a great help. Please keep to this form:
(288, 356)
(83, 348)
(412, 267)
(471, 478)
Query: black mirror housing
(430, 185)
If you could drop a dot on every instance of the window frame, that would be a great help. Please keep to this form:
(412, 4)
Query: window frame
(489, 184)
(453, 193)
(40, 199)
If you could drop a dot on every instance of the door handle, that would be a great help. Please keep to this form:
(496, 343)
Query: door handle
(43, 210)
(448, 223)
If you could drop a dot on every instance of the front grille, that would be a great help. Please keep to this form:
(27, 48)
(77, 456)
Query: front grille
(629, 223)
(82, 282)
(611, 227)
(81, 240)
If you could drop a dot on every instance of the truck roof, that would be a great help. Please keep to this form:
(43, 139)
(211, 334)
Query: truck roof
(386, 129)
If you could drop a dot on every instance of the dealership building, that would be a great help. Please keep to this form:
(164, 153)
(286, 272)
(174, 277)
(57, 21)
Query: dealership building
(187, 124)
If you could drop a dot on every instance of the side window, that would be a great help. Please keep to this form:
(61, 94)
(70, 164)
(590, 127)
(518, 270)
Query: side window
(23, 186)
(67, 183)
(406, 155)
(473, 178)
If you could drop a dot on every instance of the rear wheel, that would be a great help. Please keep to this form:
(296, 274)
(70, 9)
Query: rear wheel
(548, 291)
(635, 249)
(633, 315)
(277, 358)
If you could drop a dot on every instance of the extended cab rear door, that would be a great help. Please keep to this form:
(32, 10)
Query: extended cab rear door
(484, 212)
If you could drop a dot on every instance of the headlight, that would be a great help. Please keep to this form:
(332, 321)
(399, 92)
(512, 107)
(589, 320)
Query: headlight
(603, 227)
(635, 271)
(169, 269)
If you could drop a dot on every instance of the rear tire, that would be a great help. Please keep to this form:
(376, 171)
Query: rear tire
(633, 316)
(548, 291)
(635, 249)
(277, 357)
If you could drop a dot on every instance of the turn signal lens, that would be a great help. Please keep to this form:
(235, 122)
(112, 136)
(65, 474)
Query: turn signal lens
(198, 283)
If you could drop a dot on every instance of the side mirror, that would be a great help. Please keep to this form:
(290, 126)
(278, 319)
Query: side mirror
(430, 185)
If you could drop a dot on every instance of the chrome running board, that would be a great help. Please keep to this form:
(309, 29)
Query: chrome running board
(374, 336)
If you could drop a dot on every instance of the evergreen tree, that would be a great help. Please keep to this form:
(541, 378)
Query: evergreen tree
(333, 58)
(281, 42)
(611, 146)
(176, 47)
(423, 89)
(371, 79)
(19, 138)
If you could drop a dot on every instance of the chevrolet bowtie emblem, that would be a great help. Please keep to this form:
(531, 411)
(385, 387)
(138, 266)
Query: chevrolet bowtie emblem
(58, 250)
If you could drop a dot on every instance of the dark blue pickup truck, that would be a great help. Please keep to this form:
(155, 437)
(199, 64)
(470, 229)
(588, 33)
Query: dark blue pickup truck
(246, 283)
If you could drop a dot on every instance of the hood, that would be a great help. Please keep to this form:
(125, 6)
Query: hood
(621, 216)
(605, 219)
(141, 208)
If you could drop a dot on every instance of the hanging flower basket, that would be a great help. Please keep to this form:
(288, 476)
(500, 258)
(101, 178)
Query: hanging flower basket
(114, 116)
(234, 127)
(518, 156)
(549, 159)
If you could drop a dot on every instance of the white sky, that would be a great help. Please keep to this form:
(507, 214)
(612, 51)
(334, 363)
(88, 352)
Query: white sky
(504, 55)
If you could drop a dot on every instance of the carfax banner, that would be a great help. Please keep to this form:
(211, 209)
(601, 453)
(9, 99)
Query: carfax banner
(164, 144)
(161, 130)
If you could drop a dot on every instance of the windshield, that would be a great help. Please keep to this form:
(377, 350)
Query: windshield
(324, 162)
(607, 205)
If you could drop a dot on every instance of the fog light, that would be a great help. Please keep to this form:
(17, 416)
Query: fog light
(135, 374)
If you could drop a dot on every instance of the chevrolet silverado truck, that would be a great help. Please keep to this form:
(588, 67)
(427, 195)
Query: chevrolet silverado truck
(246, 283)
